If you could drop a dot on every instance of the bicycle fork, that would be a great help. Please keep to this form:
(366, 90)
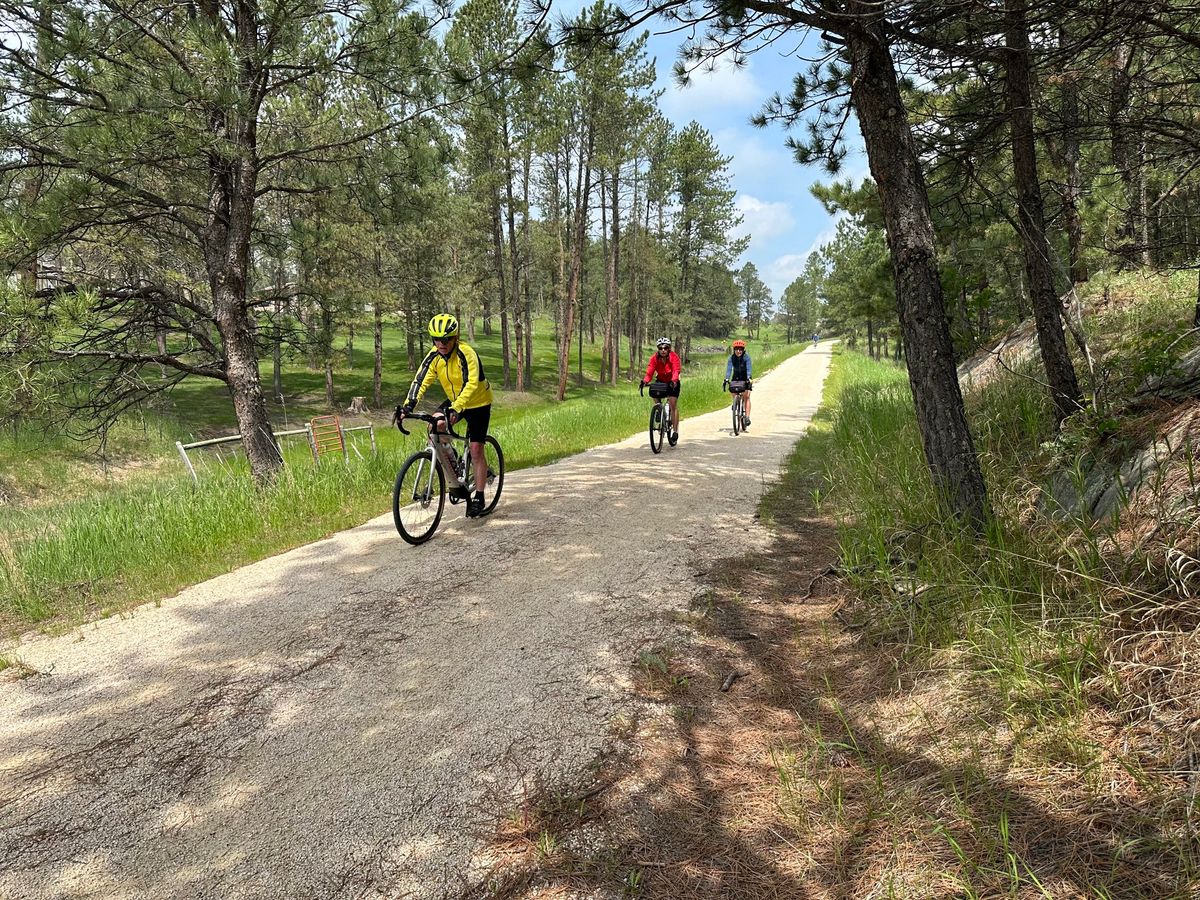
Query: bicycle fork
(424, 496)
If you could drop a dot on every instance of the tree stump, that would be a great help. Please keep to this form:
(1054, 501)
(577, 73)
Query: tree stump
(358, 407)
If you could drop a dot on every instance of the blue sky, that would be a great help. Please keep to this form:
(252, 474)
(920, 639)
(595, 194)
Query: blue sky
(784, 220)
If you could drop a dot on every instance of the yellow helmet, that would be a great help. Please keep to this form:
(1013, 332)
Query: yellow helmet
(443, 325)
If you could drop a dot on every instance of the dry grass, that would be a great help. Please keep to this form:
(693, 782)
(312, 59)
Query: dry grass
(834, 769)
(844, 762)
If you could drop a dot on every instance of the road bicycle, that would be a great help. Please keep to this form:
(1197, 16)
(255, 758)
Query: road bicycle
(739, 405)
(420, 493)
(660, 415)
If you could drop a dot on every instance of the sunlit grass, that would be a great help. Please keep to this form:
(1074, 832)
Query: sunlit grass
(1026, 617)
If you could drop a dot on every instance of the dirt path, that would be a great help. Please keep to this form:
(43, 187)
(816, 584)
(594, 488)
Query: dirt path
(334, 721)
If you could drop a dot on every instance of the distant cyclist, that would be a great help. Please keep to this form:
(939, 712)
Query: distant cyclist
(664, 366)
(458, 367)
(738, 369)
(816, 337)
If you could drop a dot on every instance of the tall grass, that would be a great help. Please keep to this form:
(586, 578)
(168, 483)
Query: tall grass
(1029, 613)
(1004, 598)
(131, 542)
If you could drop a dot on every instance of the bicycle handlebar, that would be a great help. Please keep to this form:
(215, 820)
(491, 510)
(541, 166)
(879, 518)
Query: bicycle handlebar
(432, 420)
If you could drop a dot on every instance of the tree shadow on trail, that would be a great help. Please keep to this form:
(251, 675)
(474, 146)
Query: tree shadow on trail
(824, 768)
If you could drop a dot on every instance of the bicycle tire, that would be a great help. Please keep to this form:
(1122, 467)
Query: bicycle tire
(495, 484)
(417, 519)
(656, 431)
(737, 414)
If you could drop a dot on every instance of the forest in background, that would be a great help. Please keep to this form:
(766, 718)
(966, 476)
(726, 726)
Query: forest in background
(189, 191)
(201, 192)
(1113, 92)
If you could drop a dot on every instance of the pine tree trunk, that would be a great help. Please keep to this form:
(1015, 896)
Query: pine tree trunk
(377, 375)
(502, 292)
(606, 348)
(1064, 387)
(583, 187)
(410, 322)
(1126, 158)
(1142, 221)
(1071, 189)
(327, 350)
(226, 243)
(514, 260)
(941, 417)
(527, 303)
(613, 270)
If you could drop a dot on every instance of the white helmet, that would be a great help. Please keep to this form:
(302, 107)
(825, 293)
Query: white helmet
(664, 342)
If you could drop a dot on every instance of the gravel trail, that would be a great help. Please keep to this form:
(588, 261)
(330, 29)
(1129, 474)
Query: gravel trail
(348, 719)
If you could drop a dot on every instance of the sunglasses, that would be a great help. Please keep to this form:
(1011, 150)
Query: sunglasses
(441, 342)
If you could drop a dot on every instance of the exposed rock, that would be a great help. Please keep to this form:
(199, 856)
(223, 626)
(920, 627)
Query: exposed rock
(1179, 384)
(1156, 484)
(1013, 350)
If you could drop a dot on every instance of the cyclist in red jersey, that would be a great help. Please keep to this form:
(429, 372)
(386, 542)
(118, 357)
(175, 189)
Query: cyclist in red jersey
(664, 366)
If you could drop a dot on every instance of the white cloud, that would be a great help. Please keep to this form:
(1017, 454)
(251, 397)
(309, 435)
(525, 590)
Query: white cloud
(723, 86)
(761, 219)
(760, 160)
(783, 270)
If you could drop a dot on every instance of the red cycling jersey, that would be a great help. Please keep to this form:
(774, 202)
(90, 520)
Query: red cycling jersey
(666, 369)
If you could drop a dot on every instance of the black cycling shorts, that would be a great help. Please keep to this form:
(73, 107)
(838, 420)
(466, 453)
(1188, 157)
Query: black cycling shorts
(673, 392)
(477, 420)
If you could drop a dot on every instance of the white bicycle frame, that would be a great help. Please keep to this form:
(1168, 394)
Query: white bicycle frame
(440, 449)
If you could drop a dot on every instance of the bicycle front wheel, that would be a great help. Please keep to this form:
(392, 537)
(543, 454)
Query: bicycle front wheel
(495, 474)
(656, 432)
(419, 497)
(737, 414)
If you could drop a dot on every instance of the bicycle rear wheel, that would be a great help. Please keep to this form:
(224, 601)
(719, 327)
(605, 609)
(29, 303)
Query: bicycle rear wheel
(419, 497)
(737, 413)
(656, 429)
(495, 474)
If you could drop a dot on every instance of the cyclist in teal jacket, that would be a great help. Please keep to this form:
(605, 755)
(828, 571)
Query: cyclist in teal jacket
(739, 369)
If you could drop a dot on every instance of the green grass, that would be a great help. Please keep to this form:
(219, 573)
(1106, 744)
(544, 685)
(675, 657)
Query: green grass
(1006, 599)
(119, 543)
(1025, 613)
(201, 406)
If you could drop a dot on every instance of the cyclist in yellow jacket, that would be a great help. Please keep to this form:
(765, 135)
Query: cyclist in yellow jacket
(458, 368)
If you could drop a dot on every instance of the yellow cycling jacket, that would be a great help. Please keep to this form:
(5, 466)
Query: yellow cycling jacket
(461, 375)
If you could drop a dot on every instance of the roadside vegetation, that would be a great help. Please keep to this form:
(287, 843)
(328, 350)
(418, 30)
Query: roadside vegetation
(1043, 692)
(93, 544)
(887, 704)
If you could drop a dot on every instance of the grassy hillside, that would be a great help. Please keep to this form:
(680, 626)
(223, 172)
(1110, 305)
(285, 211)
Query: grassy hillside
(97, 541)
(1047, 663)
(40, 466)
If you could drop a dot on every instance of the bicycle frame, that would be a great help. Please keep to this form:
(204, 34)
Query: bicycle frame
(439, 449)
(738, 406)
(663, 408)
